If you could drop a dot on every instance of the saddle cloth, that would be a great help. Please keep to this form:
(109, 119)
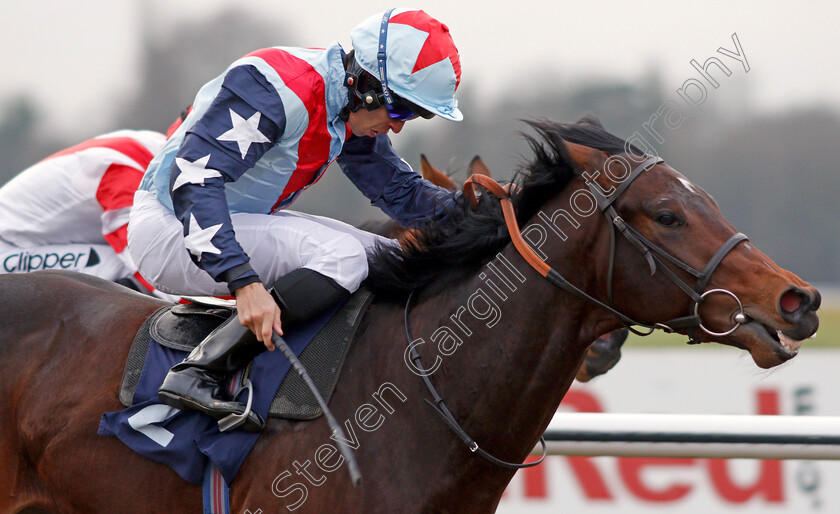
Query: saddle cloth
(185, 440)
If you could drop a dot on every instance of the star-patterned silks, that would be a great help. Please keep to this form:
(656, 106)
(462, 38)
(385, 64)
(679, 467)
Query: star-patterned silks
(195, 172)
(244, 132)
(199, 239)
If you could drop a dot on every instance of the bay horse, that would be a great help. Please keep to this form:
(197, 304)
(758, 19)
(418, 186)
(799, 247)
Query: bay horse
(601, 356)
(502, 365)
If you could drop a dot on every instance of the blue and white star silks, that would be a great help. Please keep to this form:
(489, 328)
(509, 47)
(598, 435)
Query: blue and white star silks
(287, 136)
(199, 239)
(195, 172)
(244, 132)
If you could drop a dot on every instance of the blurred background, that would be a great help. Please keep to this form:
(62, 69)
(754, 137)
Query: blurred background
(763, 139)
(765, 143)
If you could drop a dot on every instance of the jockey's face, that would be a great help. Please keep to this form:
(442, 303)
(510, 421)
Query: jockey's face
(371, 123)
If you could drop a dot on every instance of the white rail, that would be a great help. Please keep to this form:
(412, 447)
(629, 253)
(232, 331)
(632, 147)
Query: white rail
(694, 436)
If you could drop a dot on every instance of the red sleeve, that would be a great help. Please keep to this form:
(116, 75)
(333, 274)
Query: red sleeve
(117, 187)
(116, 195)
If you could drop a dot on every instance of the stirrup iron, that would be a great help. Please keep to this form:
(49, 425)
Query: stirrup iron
(234, 421)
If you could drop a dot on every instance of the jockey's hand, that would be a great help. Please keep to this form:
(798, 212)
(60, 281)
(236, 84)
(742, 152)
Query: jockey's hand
(259, 312)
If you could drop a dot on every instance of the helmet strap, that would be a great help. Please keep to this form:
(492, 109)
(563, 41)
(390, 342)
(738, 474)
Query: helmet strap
(380, 56)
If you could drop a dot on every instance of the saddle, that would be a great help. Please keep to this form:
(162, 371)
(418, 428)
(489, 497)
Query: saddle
(183, 326)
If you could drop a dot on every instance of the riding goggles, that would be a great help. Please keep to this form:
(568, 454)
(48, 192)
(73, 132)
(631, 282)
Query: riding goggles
(399, 110)
(402, 110)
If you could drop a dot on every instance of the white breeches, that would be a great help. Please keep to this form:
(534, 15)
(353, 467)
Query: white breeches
(276, 244)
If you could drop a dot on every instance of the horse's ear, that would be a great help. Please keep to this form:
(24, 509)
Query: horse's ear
(590, 120)
(425, 167)
(434, 175)
(477, 167)
(586, 158)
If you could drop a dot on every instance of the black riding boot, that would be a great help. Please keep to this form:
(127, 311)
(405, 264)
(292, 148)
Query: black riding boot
(303, 294)
(199, 381)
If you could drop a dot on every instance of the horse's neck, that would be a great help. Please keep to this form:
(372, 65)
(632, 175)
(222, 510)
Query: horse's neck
(519, 351)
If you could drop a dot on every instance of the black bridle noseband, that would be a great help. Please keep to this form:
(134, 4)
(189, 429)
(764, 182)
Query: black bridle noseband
(652, 253)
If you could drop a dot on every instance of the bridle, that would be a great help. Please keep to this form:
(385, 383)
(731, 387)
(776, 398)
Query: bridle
(652, 253)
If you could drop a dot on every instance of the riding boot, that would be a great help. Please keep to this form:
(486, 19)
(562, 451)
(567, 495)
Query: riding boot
(303, 294)
(199, 381)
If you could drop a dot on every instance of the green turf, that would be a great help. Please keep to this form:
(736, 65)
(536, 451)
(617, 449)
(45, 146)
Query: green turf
(828, 335)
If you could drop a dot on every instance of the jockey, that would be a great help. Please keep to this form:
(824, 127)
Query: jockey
(209, 216)
(70, 211)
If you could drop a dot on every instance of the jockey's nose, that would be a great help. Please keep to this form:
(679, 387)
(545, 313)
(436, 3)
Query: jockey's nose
(396, 126)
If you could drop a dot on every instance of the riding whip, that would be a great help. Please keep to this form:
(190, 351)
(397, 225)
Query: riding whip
(338, 433)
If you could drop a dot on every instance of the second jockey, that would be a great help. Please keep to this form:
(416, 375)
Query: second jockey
(70, 211)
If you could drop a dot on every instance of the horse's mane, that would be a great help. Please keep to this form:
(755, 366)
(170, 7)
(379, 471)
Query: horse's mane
(469, 237)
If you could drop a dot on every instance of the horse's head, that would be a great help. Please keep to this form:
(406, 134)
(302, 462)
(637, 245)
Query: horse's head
(666, 256)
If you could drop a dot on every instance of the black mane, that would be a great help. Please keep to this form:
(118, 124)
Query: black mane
(470, 237)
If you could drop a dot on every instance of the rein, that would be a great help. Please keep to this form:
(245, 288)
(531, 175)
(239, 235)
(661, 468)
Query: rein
(441, 410)
(652, 253)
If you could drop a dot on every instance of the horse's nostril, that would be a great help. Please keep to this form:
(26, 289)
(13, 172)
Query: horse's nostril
(793, 300)
(790, 301)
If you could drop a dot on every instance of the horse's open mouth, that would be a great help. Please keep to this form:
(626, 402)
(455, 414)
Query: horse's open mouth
(787, 343)
(768, 346)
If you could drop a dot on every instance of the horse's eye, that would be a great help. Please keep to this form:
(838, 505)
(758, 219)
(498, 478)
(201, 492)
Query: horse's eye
(667, 219)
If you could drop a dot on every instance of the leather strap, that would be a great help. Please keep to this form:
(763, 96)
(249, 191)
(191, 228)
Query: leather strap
(526, 251)
(647, 248)
(716, 259)
(439, 406)
(510, 219)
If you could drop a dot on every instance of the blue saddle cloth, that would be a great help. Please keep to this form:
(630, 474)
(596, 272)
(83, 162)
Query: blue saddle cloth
(187, 440)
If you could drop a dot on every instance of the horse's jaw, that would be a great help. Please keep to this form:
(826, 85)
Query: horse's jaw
(770, 346)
